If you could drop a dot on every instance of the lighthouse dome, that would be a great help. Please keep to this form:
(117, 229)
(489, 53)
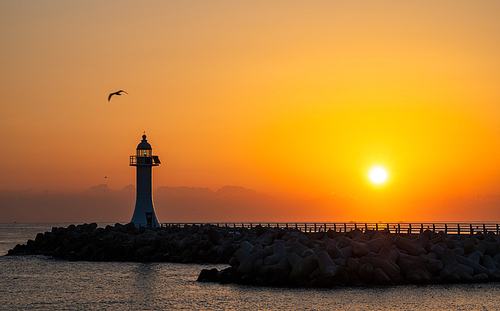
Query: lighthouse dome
(144, 145)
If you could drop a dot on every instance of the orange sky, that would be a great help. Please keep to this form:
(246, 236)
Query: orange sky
(295, 100)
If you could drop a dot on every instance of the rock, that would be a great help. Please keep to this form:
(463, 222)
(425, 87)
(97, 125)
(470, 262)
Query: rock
(434, 266)
(411, 247)
(241, 255)
(481, 277)
(334, 252)
(246, 246)
(255, 248)
(272, 259)
(207, 275)
(225, 276)
(326, 265)
(474, 265)
(301, 250)
(390, 269)
(279, 248)
(293, 259)
(303, 268)
(422, 240)
(376, 245)
(247, 266)
(72, 256)
(365, 271)
(379, 277)
(360, 249)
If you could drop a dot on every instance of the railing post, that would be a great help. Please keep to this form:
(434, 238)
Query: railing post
(314, 227)
(366, 227)
(458, 229)
(471, 229)
(433, 227)
(497, 229)
(325, 227)
(355, 226)
(345, 227)
(305, 227)
(399, 228)
(409, 229)
(484, 229)
(335, 227)
(376, 226)
(296, 227)
(446, 228)
(421, 228)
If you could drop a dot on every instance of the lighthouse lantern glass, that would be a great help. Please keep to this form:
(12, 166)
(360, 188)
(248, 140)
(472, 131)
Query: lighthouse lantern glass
(144, 152)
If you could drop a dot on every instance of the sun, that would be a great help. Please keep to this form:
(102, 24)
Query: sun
(378, 175)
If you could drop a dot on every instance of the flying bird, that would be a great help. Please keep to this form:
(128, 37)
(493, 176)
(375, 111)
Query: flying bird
(116, 93)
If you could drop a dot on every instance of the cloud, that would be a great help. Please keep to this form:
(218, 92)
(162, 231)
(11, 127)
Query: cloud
(228, 204)
(173, 204)
(98, 203)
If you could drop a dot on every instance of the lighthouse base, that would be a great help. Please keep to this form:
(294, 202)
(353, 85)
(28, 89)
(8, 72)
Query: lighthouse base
(143, 218)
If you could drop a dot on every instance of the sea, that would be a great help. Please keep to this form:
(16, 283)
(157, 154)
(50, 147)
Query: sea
(42, 283)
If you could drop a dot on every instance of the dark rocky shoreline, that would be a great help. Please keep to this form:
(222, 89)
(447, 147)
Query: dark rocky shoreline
(278, 257)
(205, 244)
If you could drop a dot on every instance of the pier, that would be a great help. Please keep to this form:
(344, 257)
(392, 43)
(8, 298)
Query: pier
(397, 227)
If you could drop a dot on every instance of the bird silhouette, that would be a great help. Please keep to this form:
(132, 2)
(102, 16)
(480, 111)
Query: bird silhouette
(116, 93)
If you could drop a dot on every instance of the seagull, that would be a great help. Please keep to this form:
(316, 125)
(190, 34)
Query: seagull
(116, 93)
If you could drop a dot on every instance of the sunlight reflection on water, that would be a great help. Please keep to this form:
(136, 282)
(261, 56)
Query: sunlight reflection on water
(41, 283)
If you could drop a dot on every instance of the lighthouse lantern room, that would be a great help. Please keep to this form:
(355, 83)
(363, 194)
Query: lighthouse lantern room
(144, 212)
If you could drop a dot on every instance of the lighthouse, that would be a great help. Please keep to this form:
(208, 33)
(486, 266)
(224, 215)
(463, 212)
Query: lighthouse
(144, 212)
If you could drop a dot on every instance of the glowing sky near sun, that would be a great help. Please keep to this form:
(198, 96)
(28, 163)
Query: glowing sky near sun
(289, 98)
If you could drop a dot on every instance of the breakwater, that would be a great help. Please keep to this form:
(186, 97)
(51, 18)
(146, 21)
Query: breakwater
(201, 244)
(356, 257)
(287, 256)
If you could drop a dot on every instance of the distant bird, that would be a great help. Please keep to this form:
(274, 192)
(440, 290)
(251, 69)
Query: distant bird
(116, 93)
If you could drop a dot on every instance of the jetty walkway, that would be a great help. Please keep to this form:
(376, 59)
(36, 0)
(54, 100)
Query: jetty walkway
(399, 227)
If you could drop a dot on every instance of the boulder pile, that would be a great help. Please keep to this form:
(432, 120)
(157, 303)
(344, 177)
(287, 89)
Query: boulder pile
(207, 244)
(332, 258)
(284, 257)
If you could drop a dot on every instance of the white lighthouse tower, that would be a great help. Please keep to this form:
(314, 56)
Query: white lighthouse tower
(144, 213)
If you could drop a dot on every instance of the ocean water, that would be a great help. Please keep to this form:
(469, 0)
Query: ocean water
(42, 283)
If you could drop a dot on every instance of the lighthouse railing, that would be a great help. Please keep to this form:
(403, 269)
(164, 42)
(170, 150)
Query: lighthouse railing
(149, 161)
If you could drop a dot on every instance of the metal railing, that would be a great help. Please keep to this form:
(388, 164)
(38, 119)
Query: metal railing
(400, 227)
(150, 161)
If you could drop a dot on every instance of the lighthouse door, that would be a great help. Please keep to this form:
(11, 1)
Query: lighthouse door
(149, 219)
